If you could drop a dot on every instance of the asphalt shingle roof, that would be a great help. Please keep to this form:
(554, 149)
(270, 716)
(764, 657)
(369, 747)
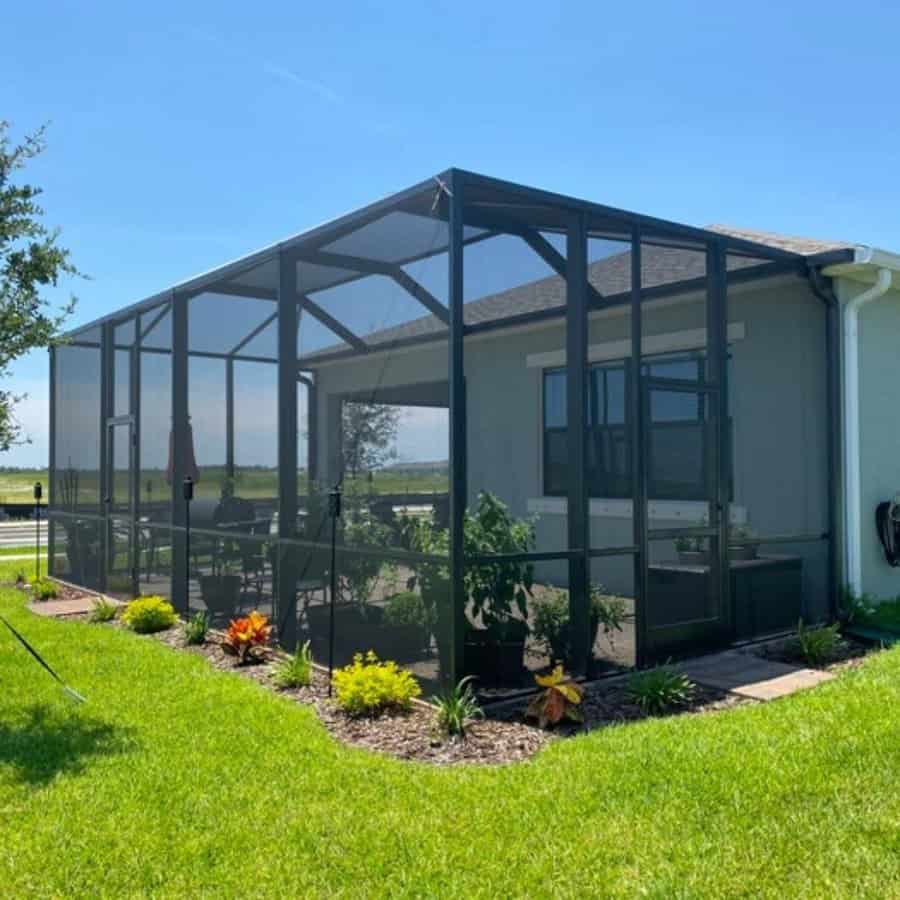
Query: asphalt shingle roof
(610, 276)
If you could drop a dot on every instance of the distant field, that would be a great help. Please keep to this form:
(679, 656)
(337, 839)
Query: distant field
(17, 486)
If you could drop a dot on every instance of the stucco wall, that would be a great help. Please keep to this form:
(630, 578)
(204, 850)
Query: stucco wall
(777, 399)
(879, 360)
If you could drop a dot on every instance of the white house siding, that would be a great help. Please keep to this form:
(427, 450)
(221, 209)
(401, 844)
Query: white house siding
(879, 388)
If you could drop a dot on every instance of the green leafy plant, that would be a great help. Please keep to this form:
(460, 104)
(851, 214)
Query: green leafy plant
(103, 610)
(21, 577)
(659, 689)
(856, 609)
(361, 573)
(146, 615)
(407, 608)
(550, 625)
(551, 620)
(196, 628)
(816, 646)
(369, 687)
(498, 589)
(608, 612)
(457, 707)
(560, 699)
(296, 670)
(44, 589)
(689, 544)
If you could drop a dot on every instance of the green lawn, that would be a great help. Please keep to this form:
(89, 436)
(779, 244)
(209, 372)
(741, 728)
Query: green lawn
(177, 780)
(252, 483)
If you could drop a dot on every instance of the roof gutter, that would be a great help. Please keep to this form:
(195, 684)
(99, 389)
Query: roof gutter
(866, 262)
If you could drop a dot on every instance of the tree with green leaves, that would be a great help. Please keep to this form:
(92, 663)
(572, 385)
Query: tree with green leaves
(370, 434)
(31, 260)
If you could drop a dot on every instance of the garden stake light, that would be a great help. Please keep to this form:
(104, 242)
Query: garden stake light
(38, 491)
(188, 492)
(37, 656)
(334, 510)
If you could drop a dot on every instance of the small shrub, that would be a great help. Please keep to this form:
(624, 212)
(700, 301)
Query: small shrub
(247, 637)
(659, 689)
(560, 699)
(369, 687)
(457, 707)
(550, 626)
(296, 670)
(44, 589)
(146, 615)
(816, 646)
(551, 620)
(21, 577)
(103, 611)
(855, 609)
(406, 608)
(195, 629)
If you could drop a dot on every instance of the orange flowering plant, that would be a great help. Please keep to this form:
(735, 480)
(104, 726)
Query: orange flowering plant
(247, 637)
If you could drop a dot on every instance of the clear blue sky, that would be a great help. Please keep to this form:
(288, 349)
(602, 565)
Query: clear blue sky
(183, 135)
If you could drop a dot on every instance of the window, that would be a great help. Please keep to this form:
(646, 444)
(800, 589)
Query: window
(676, 439)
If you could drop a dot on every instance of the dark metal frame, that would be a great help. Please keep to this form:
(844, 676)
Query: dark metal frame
(461, 199)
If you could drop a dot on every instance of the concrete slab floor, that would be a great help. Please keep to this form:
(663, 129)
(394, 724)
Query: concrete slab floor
(744, 673)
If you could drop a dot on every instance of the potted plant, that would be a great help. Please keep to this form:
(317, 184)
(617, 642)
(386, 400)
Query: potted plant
(742, 544)
(551, 621)
(692, 551)
(406, 627)
(498, 591)
(425, 535)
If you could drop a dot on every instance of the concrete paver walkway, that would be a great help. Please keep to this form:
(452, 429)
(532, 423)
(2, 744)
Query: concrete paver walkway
(62, 608)
(744, 673)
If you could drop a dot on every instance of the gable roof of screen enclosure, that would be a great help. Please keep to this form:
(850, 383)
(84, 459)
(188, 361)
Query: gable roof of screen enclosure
(384, 237)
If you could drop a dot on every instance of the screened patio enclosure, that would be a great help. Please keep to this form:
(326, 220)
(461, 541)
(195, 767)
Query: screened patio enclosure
(652, 404)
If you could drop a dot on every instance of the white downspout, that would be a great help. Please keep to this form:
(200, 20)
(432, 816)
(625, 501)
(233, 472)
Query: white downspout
(852, 480)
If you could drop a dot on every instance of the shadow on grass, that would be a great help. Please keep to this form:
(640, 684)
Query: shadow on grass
(46, 742)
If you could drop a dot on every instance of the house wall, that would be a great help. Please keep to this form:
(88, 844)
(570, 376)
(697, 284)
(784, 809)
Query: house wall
(777, 398)
(879, 351)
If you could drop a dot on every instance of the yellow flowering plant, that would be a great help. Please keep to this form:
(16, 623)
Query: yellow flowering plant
(369, 686)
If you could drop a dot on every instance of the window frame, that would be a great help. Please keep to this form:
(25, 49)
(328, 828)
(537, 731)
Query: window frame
(550, 490)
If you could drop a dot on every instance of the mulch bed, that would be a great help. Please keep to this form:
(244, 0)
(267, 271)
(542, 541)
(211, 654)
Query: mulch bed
(502, 737)
(606, 703)
(408, 735)
(848, 654)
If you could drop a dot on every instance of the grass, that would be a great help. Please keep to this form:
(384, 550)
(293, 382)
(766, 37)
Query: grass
(16, 486)
(885, 614)
(176, 780)
(21, 551)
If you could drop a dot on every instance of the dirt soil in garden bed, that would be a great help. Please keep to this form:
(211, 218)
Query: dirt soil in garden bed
(848, 654)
